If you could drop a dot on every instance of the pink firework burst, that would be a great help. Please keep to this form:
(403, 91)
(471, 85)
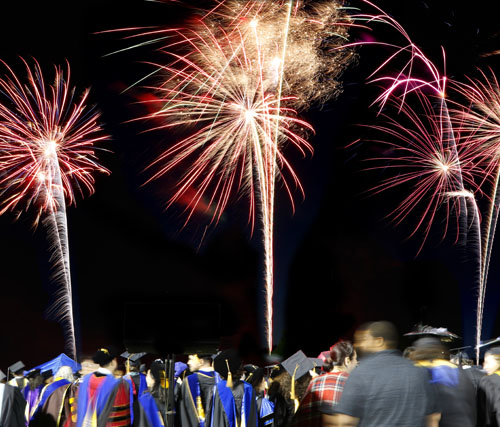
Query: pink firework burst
(46, 142)
(434, 166)
(47, 153)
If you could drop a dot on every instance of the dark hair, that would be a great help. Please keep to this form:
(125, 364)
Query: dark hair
(429, 349)
(385, 330)
(158, 373)
(408, 351)
(338, 352)
(104, 356)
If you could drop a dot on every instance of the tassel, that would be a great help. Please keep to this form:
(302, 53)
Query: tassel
(199, 407)
(229, 381)
(292, 391)
(163, 380)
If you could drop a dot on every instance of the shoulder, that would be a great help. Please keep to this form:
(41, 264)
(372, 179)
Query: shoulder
(489, 381)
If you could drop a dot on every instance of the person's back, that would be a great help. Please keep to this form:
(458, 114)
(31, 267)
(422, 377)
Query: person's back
(455, 393)
(385, 390)
(12, 405)
(196, 393)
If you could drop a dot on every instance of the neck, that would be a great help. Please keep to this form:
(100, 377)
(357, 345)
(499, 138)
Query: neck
(206, 368)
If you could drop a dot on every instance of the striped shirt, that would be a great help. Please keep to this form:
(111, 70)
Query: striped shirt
(323, 393)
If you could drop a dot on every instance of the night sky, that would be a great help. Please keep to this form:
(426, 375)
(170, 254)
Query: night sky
(338, 261)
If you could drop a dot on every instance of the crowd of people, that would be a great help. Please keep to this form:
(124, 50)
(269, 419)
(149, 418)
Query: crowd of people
(367, 383)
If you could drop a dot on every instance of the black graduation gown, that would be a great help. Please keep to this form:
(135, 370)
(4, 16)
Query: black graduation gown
(284, 409)
(13, 406)
(187, 409)
(458, 403)
(219, 417)
(488, 398)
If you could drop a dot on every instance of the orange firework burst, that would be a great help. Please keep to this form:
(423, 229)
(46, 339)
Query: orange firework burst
(236, 80)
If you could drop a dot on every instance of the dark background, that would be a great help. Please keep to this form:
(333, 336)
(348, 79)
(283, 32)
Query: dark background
(338, 261)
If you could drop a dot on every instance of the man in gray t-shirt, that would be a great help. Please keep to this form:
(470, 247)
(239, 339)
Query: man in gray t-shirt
(385, 390)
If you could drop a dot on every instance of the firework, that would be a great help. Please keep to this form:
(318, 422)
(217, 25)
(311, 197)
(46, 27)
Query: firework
(430, 161)
(446, 160)
(235, 81)
(479, 125)
(46, 153)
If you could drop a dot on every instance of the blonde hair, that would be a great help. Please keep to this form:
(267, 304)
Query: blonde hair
(65, 372)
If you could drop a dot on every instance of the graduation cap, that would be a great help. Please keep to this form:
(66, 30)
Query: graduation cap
(324, 355)
(317, 363)
(32, 373)
(441, 333)
(297, 366)
(46, 374)
(253, 374)
(488, 342)
(59, 361)
(2, 375)
(133, 359)
(227, 363)
(16, 367)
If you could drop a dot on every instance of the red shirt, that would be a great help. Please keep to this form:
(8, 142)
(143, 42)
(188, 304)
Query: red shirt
(323, 391)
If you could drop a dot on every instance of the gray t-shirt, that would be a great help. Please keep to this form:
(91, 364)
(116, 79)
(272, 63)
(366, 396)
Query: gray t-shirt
(387, 390)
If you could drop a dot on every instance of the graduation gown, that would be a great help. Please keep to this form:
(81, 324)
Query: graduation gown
(138, 386)
(53, 403)
(195, 400)
(234, 407)
(265, 411)
(488, 398)
(12, 406)
(455, 393)
(104, 401)
(148, 414)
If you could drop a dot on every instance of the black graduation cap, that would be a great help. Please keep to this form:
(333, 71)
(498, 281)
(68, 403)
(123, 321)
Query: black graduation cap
(441, 333)
(16, 367)
(298, 365)
(133, 358)
(47, 374)
(32, 374)
(2, 375)
(317, 362)
(227, 359)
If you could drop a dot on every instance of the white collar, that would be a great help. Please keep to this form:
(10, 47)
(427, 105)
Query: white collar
(104, 371)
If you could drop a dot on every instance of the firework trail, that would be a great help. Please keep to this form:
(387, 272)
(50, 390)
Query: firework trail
(479, 125)
(450, 152)
(235, 81)
(46, 153)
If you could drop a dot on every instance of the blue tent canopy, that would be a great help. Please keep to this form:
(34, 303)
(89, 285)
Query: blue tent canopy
(55, 364)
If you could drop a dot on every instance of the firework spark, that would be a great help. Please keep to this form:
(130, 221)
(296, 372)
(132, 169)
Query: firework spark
(448, 160)
(236, 80)
(479, 125)
(430, 162)
(46, 152)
